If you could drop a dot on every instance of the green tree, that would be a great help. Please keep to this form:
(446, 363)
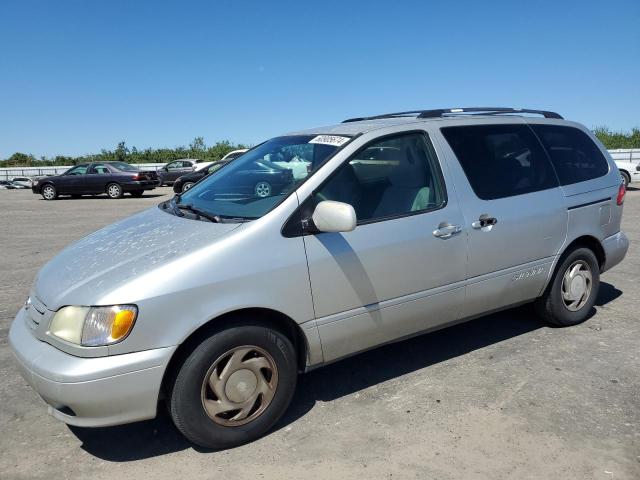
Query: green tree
(121, 152)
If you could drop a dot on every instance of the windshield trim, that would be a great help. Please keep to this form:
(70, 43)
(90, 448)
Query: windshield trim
(284, 197)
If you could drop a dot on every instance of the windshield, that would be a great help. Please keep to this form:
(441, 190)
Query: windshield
(258, 180)
(124, 167)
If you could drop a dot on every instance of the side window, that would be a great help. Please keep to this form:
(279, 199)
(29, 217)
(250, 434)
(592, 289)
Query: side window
(79, 170)
(501, 160)
(174, 165)
(573, 154)
(100, 169)
(391, 177)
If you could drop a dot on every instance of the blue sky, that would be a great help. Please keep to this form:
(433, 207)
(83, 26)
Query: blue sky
(77, 76)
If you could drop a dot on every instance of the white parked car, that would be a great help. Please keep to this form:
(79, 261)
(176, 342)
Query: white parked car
(630, 171)
(24, 181)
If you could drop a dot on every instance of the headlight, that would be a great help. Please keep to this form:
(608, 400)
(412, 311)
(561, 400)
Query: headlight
(93, 326)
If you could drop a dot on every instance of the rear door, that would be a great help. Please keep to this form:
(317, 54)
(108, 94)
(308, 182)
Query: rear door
(98, 175)
(514, 210)
(402, 270)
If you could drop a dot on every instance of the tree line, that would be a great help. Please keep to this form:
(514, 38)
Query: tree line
(196, 149)
(200, 150)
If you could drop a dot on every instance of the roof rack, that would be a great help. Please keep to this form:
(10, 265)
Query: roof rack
(442, 112)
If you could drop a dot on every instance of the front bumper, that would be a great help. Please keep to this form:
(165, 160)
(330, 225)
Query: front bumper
(615, 248)
(90, 392)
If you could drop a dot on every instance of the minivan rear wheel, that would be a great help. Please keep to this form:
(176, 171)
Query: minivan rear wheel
(570, 297)
(234, 386)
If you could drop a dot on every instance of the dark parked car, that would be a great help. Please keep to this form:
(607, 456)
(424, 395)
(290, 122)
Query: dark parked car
(173, 170)
(260, 178)
(112, 178)
(185, 182)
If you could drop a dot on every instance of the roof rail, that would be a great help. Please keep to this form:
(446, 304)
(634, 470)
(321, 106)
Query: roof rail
(441, 112)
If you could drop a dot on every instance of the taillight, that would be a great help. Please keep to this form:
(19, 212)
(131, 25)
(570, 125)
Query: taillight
(621, 193)
(136, 177)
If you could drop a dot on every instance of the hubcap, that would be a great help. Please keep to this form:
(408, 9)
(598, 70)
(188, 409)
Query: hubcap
(576, 285)
(263, 189)
(187, 186)
(114, 191)
(48, 192)
(239, 386)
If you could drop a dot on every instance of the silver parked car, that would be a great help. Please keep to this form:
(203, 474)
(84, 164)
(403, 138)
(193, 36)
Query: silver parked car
(404, 223)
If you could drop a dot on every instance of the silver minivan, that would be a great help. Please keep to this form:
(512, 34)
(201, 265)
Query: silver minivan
(388, 226)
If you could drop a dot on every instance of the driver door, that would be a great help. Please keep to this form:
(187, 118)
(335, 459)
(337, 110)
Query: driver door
(402, 270)
(72, 181)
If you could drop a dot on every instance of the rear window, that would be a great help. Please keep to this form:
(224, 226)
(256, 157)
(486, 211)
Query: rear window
(501, 160)
(574, 155)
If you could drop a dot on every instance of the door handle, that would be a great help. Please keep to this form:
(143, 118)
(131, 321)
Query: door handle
(484, 221)
(446, 230)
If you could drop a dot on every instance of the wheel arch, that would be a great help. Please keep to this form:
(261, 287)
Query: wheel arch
(625, 172)
(258, 316)
(588, 241)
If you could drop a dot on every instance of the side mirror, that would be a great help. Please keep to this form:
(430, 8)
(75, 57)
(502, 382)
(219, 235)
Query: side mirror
(330, 216)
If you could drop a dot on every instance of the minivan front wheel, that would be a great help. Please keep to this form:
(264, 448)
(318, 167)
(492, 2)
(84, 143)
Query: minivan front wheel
(573, 290)
(234, 386)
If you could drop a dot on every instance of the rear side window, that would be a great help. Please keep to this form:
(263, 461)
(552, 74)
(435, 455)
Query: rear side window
(573, 154)
(501, 160)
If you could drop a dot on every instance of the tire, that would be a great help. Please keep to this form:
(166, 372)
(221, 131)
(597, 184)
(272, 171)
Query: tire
(625, 178)
(137, 193)
(49, 192)
(216, 427)
(560, 305)
(262, 189)
(114, 190)
(187, 186)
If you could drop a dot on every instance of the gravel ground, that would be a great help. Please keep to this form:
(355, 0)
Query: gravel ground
(503, 396)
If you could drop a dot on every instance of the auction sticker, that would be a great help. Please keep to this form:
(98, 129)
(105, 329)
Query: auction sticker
(334, 140)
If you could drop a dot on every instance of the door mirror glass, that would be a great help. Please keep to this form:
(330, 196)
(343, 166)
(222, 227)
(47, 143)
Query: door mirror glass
(330, 216)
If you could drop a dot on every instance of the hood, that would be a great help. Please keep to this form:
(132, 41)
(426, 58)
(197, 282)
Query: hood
(106, 260)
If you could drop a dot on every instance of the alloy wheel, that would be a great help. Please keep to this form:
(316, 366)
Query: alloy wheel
(48, 192)
(263, 189)
(114, 191)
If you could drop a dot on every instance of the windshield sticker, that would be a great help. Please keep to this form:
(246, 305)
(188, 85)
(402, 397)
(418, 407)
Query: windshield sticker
(334, 140)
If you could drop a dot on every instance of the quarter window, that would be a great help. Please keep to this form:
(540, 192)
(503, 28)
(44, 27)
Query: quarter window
(395, 176)
(501, 160)
(574, 155)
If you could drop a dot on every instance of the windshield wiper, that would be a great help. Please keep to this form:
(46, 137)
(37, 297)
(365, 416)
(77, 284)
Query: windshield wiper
(200, 213)
(171, 203)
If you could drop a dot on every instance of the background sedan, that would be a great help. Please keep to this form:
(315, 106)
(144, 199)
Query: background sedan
(112, 178)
